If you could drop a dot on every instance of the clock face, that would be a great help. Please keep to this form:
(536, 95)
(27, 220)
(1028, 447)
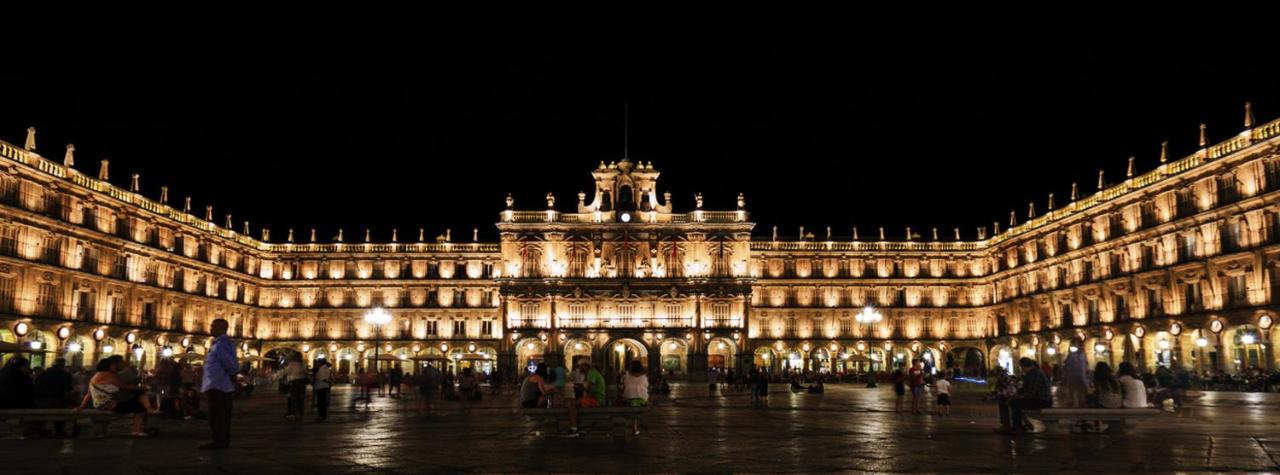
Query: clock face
(1216, 326)
(626, 217)
(1264, 322)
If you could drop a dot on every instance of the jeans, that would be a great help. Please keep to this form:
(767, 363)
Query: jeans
(297, 392)
(322, 402)
(220, 416)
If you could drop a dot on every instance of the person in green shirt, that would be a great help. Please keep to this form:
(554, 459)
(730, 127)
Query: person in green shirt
(595, 382)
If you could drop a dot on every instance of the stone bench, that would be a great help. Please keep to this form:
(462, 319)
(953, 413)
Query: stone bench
(98, 418)
(1116, 419)
(556, 415)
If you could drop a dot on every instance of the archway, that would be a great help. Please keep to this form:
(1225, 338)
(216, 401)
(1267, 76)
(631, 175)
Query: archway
(820, 360)
(931, 358)
(721, 353)
(1243, 348)
(575, 350)
(765, 359)
(674, 355)
(530, 352)
(1004, 358)
(968, 360)
(621, 352)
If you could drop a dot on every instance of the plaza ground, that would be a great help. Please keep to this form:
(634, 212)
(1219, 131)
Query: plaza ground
(848, 428)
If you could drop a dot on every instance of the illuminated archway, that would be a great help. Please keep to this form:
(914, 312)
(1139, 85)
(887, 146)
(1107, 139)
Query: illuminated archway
(575, 350)
(674, 355)
(721, 354)
(621, 352)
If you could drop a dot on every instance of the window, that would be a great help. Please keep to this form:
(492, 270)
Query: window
(577, 314)
(486, 328)
(529, 311)
(46, 299)
(626, 312)
(459, 328)
(432, 328)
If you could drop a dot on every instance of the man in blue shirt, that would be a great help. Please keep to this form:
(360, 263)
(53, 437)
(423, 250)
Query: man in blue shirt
(220, 368)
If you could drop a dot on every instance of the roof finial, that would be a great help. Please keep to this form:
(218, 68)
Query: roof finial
(802, 233)
(339, 234)
(957, 234)
(697, 200)
(475, 234)
(69, 160)
(266, 234)
(551, 201)
(828, 233)
(289, 237)
(775, 232)
(935, 234)
(104, 168)
(1075, 191)
(229, 226)
(422, 234)
(1129, 173)
(908, 233)
(1248, 115)
(855, 233)
(1031, 210)
(186, 204)
(164, 195)
(881, 233)
(1013, 218)
(247, 231)
(208, 213)
(997, 227)
(395, 235)
(367, 235)
(133, 183)
(448, 234)
(1164, 151)
(1102, 182)
(313, 235)
(1204, 136)
(510, 201)
(742, 201)
(1050, 208)
(31, 139)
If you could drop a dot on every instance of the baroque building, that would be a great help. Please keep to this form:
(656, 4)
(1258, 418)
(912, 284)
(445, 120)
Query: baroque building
(1173, 267)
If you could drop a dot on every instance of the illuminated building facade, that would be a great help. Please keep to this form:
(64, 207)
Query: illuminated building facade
(1176, 266)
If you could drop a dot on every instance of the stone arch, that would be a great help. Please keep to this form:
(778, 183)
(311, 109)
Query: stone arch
(620, 352)
(1243, 348)
(674, 355)
(576, 349)
(529, 352)
(722, 353)
(765, 358)
(967, 360)
(1003, 358)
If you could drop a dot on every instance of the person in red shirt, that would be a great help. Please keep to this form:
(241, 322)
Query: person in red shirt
(915, 376)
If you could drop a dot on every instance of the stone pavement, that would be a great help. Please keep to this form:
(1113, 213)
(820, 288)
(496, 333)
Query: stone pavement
(848, 428)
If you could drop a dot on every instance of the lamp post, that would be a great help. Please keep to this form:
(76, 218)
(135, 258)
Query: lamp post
(377, 317)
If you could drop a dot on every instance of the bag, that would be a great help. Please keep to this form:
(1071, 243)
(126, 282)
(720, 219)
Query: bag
(588, 401)
(1110, 399)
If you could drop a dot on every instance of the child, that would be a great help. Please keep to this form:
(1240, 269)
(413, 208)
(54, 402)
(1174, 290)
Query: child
(944, 396)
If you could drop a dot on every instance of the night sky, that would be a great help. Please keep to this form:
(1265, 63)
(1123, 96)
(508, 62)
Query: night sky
(835, 129)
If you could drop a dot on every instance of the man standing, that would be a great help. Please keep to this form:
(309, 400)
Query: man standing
(1075, 376)
(321, 387)
(218, 384)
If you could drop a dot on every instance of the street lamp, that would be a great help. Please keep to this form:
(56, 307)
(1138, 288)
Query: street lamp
(377, 317)
(868, 315)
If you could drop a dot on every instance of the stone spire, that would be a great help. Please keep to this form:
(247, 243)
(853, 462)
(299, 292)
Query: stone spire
(247, 231)
(339, 234)
(1031, 210)
(935, 234)
(448, 234)
(164, 195)
(855, 233)
(801, 231)
(1164, 151)
(1050, 207)
(395, 235)
(1013, 218)
(510, 201)
(367, 235)
(828, 233)
(208, 213)
(957, 234)
(289, 237)
(881, 233)
(1102, 182)
(475, 234)
(313, 235)
(775, 233)
(230, 226)
(266, 234)
(104, 170)
(1075, 191)
(908, 233)
(1129, 173)
(1204, 136)
(134, 186)
(1248, 115)
(31, 139)
(186, 204)
(422, 234)
(69, 160)
(996, 225)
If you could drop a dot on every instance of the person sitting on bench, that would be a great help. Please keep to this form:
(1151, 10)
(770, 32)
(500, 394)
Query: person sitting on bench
(1033, 395)
(108, 393)
(635, 386)
(1135, 393)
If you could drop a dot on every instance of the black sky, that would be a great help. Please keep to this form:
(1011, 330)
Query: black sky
(817, 130)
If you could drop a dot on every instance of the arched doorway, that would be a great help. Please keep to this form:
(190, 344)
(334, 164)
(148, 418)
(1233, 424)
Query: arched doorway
(765, 359)
(1004, 359)
(820, 360)
(931, 358)
(621, 352)
(674, 355)
(575, 350)
(721, 353)
(1244, 348)
(529, 352)
(968, 360)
